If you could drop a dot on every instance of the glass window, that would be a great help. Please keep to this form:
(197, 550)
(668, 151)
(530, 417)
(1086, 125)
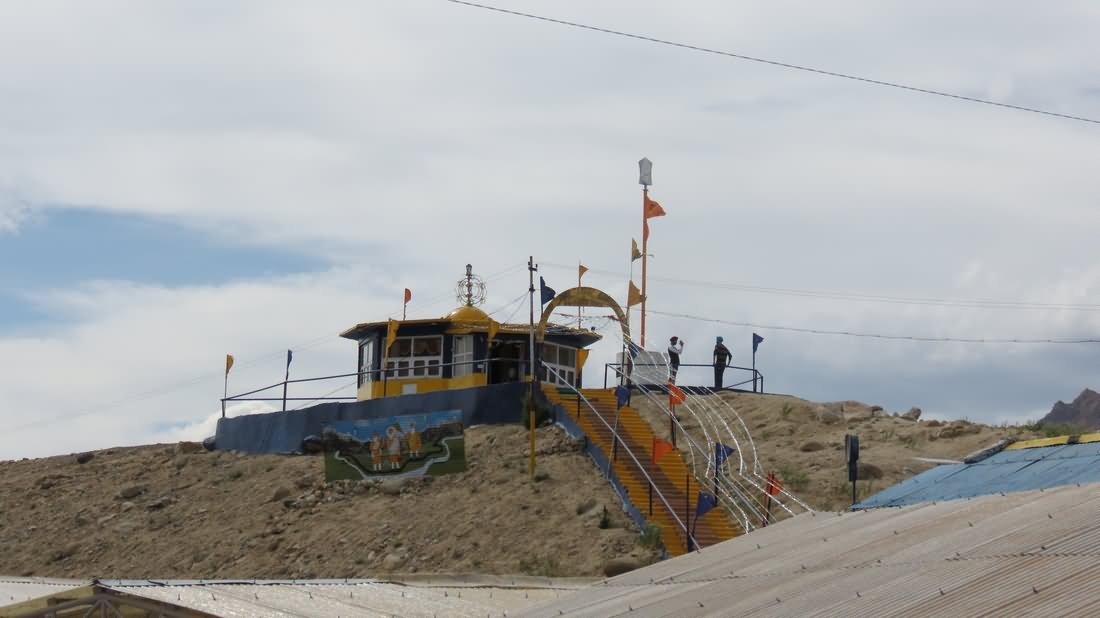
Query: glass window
(417, 356)
(462, 356)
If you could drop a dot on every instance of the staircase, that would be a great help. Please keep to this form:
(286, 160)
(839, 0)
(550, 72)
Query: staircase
(671, 476)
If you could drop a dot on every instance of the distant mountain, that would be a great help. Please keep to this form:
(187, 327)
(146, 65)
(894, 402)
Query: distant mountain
(1083, 411)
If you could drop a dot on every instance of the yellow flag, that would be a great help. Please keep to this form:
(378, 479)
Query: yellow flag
(582, 356)
(581, 269)
(634, 252)
(494, 326)
(228, 363)
(391, 334)
(634, 296)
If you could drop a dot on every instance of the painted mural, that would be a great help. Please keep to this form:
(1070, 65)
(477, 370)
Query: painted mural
(395, 446)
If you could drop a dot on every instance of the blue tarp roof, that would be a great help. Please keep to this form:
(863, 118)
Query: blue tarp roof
(1007, 471)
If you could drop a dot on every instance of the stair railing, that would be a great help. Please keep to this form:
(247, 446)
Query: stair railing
(649, 480)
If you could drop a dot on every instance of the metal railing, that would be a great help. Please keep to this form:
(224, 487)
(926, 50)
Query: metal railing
(617, 439)
(757, 379)
(373, 376)
(731, 486)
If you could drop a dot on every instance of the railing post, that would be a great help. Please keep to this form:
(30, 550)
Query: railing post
(651, 498)
(687, 510)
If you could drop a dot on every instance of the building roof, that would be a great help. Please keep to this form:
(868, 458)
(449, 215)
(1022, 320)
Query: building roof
(1039, 464)
(465, 320)
(16, 590)
(1025, 553)
(432, 596)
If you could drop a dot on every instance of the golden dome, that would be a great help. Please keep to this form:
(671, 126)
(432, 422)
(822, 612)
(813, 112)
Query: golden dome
(468, 313)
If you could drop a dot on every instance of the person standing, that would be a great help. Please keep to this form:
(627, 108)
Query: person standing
(675, 349)
(722, 358)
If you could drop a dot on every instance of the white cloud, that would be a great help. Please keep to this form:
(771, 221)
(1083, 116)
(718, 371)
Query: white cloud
(404, 141)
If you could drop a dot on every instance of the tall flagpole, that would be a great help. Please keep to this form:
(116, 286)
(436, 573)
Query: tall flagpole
(531, 268)
(579, 275)
(645, 252)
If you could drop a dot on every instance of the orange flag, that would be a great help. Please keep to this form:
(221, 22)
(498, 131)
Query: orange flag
(581, 269)
(652, 209)
(661, 448)
(408, 295)
(633, 296)
(675, 395)
(635, 253)
(774, 485)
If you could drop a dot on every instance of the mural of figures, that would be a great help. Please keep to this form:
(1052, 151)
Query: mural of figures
(395, 446)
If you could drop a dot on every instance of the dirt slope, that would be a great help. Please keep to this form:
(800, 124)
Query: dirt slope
(158, 512)
(168, 511)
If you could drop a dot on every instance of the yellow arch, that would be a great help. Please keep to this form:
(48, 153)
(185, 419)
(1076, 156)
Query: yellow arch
(583, 297)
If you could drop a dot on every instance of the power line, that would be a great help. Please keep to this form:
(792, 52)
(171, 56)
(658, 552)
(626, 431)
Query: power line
(785, 65)
(976, 303)
(845, 333)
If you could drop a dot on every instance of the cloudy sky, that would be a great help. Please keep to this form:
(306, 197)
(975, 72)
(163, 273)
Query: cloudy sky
(183, 180)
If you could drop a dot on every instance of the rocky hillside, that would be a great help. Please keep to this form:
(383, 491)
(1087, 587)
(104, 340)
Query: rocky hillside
(803, 442)
(176, 511)
(1083, 412)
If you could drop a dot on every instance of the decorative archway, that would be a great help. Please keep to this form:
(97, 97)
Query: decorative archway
(583, 297)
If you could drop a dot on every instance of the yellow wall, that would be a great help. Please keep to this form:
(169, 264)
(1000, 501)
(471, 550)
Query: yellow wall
(392, 388)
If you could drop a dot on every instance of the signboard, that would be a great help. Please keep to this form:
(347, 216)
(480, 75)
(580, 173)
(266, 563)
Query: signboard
(395, 446)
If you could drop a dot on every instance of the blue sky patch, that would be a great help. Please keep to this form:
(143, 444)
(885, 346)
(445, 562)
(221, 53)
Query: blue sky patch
(57, 248)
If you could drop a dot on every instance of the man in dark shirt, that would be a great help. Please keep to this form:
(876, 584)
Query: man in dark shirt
(675, 349)
(721, 361)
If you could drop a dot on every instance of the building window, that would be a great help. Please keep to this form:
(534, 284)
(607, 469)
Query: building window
(563, 361)
(415, 357)
(366, 361)
(463, 355)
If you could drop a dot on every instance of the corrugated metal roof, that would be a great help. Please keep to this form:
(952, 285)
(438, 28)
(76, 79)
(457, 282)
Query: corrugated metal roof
(459, 597)
(1007, 471)
(1035, 553)
(18, 589)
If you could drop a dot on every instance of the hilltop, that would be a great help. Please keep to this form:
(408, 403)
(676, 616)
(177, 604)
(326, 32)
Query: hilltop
(177, 511)
(1083, 412)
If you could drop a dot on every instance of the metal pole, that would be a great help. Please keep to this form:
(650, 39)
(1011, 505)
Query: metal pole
(285, 379)
(672, 424)
(651, 498)
(531, 268)
(645, 242)
(754, 371)
(225, 393)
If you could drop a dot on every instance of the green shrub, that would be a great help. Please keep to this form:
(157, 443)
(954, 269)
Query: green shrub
(651, 537)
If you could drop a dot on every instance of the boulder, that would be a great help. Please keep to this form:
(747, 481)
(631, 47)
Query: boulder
(132, 491)
(912, 415)
(810, 447)
(393, 561)
(83, 458)
(209, 443)
(393, 487)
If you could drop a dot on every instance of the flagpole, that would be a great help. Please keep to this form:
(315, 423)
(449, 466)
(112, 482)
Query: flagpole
(531, 356)
(225, 392)
(579, 275)
(645, 257)
(286, 379)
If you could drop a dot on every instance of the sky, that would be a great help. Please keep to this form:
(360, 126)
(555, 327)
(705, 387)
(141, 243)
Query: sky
(179, 181)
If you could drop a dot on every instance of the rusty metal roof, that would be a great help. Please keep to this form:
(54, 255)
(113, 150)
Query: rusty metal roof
(1035, 553)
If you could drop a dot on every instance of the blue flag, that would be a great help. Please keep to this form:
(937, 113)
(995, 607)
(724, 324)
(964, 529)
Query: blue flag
(706, 502)
(721, 453)
(546, 291)
(756, 339)
(622, 395)
(289, 357)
